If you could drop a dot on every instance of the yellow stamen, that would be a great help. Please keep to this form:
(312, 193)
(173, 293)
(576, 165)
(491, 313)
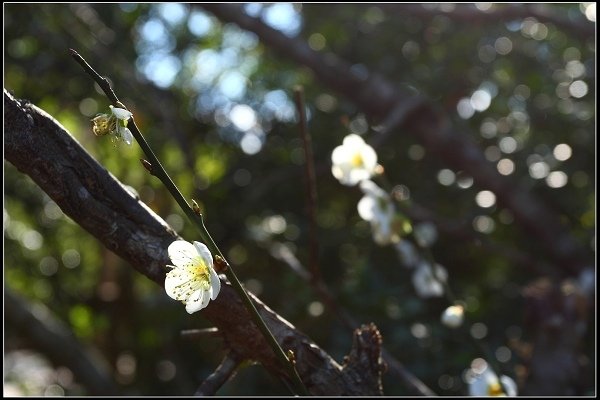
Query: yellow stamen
(357, 160)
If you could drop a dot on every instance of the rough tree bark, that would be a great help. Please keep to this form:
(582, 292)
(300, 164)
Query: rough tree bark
(40, 147)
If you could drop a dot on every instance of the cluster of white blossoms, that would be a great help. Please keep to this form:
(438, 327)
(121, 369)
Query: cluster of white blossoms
(484, 382)
(192, 280)
(428, 279)
(114, 124)
(355, 162)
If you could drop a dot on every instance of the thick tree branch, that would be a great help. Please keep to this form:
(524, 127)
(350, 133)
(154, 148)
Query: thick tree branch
(53, 338)
(379, 97)
(40, 147)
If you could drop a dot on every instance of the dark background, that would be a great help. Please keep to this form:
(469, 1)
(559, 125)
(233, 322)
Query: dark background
(216, 105)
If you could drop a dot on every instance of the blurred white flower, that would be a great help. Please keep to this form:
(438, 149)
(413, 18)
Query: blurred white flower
(407, 253)
(426, 234)
(353, 161)
(484, 382)
(376, 207)
(427, 282)
(192, 280)
(453, 316)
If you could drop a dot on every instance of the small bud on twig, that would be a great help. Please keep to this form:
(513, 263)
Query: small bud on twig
(291, 356)
(196, 208)
(221, 264)
(147, 165)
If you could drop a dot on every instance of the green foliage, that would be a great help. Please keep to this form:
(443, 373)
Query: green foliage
(186, 76)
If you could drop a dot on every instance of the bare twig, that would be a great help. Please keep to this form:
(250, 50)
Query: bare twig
(311, 185)
(192, 334)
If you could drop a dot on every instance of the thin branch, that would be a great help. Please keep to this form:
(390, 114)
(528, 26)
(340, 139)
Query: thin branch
(159, 171)
(378, 97)
(224, 372)
(100, 80)
(311, 185)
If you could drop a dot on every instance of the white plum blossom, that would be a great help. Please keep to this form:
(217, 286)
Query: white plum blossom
(425, 233)
(484, 382)
(376, 207)
(114, 124)
(453, 316)
(192, 279)
(428, 281)
(353, 161)
(123, 116)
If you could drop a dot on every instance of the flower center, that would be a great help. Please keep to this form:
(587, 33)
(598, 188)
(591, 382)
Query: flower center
(357, 160)
(202, 274)
(494, 389)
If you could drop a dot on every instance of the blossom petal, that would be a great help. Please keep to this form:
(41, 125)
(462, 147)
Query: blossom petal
(369, 157)
(178, 284)
(353, 141)
(215, 284)
(196, 301)
(509, 385)
(358, 174)
(366, 208)
(339, 155)
(204, 253)
(126, 135)
(121, 113)
(183, 254)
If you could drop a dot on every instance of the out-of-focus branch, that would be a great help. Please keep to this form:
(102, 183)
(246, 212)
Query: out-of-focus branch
(311, 185)
(557, 315)
(378, 97)
(224, 372)
(499, 13)
(54, 339)
(41, 148)
(191, 334)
